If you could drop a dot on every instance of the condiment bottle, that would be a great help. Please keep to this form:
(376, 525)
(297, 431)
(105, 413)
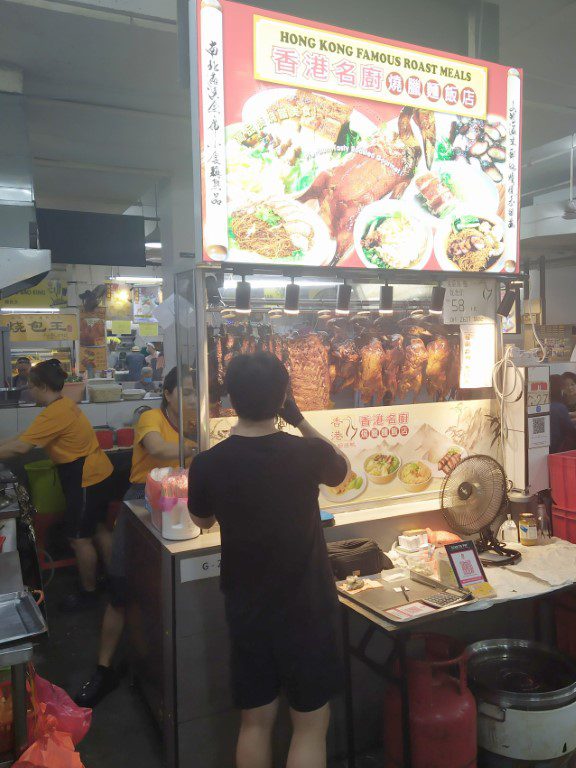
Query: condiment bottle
(528, 529)
(508, 531)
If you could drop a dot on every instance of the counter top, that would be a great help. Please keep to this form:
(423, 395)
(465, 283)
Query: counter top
(211, 540)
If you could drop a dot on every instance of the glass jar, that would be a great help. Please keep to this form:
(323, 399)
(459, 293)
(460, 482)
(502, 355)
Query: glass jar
(528, 526)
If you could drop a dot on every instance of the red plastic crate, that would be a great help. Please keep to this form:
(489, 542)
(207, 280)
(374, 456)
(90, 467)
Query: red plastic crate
(564, 524)
(563, 479)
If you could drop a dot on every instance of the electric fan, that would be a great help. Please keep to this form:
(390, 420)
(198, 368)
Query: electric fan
(473, 495)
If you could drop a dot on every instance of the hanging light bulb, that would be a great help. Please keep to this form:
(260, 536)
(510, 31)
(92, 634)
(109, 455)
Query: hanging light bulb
(292, 299)
(386, 300)
(437, 305)
(343, 300)
(243, 297)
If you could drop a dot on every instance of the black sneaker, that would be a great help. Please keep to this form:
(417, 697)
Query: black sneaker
(103, 681)
(79, 601)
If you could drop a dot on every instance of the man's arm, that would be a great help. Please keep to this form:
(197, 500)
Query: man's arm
(198, 497)
(308, 430)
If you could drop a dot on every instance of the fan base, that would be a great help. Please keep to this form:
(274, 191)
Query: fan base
(494, 553)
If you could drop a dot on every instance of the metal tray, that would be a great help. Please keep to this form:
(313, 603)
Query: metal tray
(20, 618)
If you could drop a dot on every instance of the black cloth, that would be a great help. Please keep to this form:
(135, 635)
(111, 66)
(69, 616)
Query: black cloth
(263, 492)
(86, 508)
(562, 429)
(281, 602)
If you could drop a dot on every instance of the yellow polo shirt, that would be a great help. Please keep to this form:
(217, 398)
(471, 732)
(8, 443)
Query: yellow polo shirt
(65, 433)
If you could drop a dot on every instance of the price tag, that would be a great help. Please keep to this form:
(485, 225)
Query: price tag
(477, 355)
(469, 301)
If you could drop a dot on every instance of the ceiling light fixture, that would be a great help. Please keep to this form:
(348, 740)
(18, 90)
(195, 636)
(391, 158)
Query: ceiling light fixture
(386, 306)
(213, 292)
(243, 291)
(507, 303)
(292, 299)
(136, 280)
(343, 300)
(437, 305)
(30, 310)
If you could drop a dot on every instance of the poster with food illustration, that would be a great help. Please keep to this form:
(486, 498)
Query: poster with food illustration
(346, 361)
(147, 299)
(93, 328)
(93, 359)
(118, 301)
(324, 147)
(398, 452)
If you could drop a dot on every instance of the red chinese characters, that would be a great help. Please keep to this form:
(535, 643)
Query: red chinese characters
(468, 98)
(395, 83)
(414, 87)
(286, 60)
(316, 66)
(451, 94)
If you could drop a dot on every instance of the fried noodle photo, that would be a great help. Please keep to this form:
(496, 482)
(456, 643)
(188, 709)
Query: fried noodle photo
(264, 229)
(474, 244)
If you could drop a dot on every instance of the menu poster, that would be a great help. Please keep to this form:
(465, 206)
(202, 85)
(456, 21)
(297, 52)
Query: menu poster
(326, 147)
(147, 299)
(118, 301)
(93, 359)
(395, 452)
(93, 352)
(477, 355)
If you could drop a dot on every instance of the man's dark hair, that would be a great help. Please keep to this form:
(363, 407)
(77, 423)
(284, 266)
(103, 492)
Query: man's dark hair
(24, 360)
(257, 385)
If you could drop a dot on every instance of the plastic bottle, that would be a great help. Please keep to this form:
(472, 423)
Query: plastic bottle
(542, 516)
(509, 531)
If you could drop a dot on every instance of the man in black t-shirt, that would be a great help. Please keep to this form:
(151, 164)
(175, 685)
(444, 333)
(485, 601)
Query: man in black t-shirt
(261, 485)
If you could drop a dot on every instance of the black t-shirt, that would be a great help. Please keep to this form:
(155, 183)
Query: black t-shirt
(263, 492)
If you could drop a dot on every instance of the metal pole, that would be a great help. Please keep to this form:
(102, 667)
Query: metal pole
(202, 358)
(178, 339)
(542, 265)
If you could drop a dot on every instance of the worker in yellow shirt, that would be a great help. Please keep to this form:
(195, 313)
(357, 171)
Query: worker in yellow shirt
(155, 445)
(66, 435)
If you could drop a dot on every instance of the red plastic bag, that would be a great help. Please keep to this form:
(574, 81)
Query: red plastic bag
(69, 717)
(54, 749)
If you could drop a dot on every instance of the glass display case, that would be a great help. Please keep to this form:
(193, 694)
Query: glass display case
(374, 369)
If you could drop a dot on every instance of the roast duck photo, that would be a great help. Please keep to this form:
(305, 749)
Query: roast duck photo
(347, 362)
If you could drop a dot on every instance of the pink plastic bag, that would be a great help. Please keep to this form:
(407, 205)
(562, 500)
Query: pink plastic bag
(54, 749)
(69, 717)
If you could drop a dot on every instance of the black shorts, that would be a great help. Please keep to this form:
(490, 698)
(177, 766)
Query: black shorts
(300, 659)
(86, 508)
(117, 575)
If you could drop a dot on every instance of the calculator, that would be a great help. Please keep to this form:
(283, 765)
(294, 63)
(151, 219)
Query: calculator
(442, 599)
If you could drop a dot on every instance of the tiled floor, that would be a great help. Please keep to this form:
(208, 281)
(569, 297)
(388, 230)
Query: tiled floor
(122, 734)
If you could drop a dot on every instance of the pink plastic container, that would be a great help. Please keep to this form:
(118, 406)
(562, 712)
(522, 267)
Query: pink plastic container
(563, 479)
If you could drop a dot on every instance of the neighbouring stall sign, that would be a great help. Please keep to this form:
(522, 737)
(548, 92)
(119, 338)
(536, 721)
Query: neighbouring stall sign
(48, 293)
(323, 147)
(477, 355)
(38, 327)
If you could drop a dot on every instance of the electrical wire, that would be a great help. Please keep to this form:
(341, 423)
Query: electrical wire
(538, 340)
(499, 381)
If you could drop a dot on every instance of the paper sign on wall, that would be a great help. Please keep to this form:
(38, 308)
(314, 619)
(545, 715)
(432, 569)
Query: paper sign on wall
(477, 355)
(147, 330)
(121, 327)
(469, 301)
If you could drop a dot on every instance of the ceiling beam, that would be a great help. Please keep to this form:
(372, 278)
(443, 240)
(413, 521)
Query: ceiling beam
(126, 111)
(97, 10)
(72, 165)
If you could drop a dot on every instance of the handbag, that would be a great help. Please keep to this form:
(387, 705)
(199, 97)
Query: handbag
(363, 555)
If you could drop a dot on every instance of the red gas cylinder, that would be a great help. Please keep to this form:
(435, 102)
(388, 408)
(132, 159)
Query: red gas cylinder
(442, 708)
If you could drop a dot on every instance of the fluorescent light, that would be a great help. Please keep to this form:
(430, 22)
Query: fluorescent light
(132, 279)
(153, 246)
(30, 310)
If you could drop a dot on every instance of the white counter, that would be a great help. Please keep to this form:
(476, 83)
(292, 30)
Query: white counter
(14, 421)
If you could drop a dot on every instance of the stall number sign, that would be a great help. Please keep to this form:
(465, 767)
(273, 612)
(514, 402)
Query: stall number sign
(198, 568)
(469, 301)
